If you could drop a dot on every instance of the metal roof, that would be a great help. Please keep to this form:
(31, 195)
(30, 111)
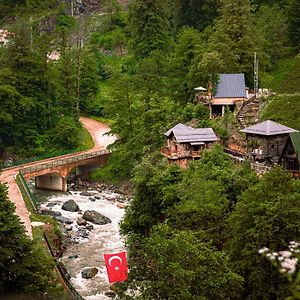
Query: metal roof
(187, 134)
(231, 86)
(268, 128)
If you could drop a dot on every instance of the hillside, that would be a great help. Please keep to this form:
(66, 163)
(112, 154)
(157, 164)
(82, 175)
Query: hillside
(284, 107)
(286, 76)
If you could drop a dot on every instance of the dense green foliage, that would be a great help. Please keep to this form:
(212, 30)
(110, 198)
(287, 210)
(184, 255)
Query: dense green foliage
(23, 265)
(265, 215)
(191, 234)
(224, 210)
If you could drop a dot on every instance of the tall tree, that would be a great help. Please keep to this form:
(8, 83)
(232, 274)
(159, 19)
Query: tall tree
(23, 265)
(294, 22)
(149, 23)
(235, 27)
(173, 264)
(272, 24)
(195, 13)
(266, 215)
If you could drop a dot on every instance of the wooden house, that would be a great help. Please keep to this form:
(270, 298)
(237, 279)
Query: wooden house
(185, 143)
(230, 90)
(290, 158)
(266, 141)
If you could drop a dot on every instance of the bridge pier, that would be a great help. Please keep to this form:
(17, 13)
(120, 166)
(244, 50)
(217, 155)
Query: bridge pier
(52, 181)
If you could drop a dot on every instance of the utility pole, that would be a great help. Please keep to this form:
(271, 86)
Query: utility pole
(255, 75)
(72, 8)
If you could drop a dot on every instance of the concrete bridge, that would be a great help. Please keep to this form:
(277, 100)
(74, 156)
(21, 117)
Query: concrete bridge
(53, 175)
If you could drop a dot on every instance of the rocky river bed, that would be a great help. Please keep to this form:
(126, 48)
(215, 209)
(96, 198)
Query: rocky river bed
(85, 239)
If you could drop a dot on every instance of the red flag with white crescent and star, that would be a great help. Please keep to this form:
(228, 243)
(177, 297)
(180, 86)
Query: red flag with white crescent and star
(116, 267)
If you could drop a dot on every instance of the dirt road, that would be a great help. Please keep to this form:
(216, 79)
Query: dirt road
(101, 140)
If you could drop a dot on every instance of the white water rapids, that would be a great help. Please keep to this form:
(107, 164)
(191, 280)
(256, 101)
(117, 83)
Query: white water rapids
(88, 252)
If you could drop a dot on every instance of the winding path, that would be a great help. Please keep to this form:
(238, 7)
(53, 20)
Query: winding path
(101, 140)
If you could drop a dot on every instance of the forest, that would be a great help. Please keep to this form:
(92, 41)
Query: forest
(190, 234)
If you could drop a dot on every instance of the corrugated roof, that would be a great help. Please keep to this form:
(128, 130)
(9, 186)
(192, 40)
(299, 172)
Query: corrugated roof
(231, 86)
(295, 138)
(187, 134)
(268, 128)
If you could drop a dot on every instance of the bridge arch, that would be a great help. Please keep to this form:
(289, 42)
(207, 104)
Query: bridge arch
(53, 175)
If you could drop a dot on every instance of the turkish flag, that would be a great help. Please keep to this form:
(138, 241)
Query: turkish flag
(116, 267)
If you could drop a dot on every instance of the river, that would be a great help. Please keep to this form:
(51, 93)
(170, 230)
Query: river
(87, 246)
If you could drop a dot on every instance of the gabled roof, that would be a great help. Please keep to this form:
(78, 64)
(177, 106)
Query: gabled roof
(187, 134)
(268, 128)
(295, 138)
(231, 86)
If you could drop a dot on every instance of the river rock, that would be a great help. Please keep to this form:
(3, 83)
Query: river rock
(92, 199)
(95, 217)
(69, 228)
(81, 222)
(121, 205)
(70, 205)
(110, 294)
(85, 193)
(89, 273)
(89, 227)
(51, 204)
(63, 219)
(49, 212)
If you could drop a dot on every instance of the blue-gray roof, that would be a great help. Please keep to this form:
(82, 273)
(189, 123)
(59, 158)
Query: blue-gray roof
(231, 86)
(268, 128)
(187, 134)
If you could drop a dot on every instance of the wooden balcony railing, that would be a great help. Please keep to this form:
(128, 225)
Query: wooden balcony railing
(166, 151)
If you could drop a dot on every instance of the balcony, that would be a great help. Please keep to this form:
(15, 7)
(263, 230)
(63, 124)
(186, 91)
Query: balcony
(166, 151)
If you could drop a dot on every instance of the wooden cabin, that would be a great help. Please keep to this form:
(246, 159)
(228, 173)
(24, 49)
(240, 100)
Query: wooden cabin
(266, 141)
(185, 143)
(290, 158)
(230, 90)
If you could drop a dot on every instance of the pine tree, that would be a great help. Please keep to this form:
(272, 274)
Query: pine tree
(294, 22)
(237, 29)
(196, 13)
(23, 266)
(149, 22)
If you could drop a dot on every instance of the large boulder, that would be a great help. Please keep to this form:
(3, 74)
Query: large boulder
(89, 273)
(70, 205)
(95, 217)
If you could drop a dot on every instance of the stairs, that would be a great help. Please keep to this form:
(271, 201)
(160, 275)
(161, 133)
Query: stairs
(249, 112)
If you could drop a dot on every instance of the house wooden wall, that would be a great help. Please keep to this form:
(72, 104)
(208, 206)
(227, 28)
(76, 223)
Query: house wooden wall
(271, 146)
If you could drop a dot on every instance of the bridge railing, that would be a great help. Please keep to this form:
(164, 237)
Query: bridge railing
(64, 161)
(27, 190)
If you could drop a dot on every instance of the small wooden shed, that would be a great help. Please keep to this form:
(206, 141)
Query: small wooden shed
(266, 141)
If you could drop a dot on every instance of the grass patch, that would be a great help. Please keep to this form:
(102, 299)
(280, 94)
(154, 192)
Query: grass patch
(101, 119)
(86, 140)
(56, 290)
(284, 109)
(286, 76)
(281, 70)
